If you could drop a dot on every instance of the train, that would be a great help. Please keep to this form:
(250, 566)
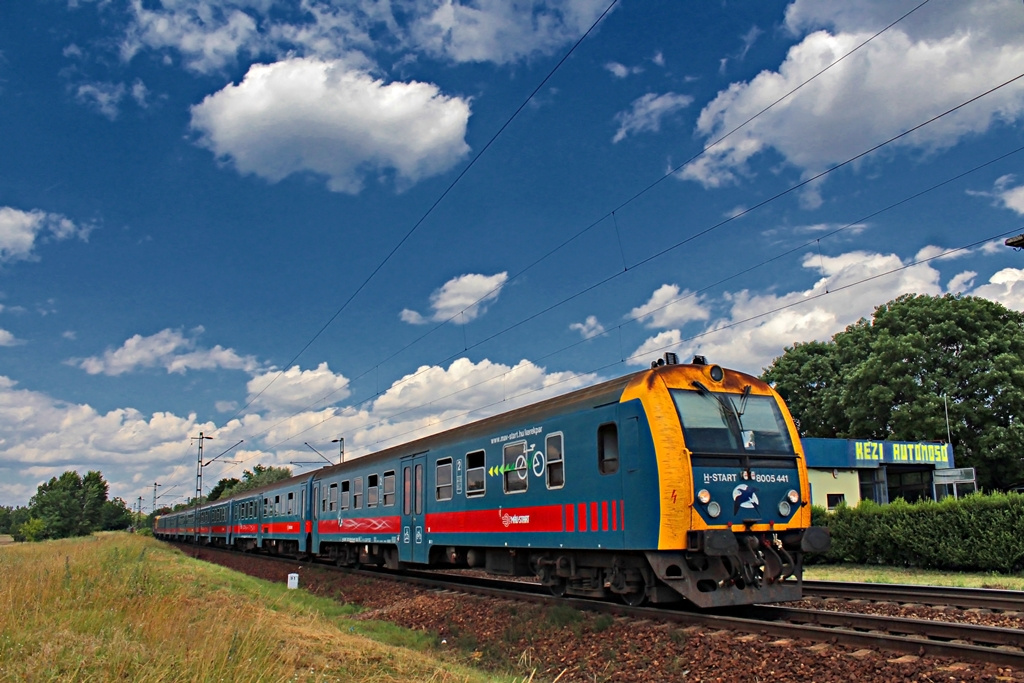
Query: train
(682, 482)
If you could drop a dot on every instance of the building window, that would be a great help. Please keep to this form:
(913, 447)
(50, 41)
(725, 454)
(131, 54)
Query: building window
(514, 463)
(389, 488)
(344, 494)
(555, 467)
(357, 493)
(476, 474)
(372, 491)
(443, 480)
(608, 448)
(834, 500)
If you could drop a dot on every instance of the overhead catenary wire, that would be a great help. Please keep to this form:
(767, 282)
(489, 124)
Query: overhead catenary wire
(584, 230)
(676, 344)
(705, 231)
(430, 209)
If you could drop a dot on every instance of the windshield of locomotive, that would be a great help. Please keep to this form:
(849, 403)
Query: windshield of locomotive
(732, 425)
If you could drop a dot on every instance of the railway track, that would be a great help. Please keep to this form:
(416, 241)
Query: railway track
(957, 641)
(906, 594)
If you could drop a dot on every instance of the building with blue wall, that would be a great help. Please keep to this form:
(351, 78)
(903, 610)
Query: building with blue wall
(849, 470)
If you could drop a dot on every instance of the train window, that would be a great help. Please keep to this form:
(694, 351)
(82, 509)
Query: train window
(266, 507)
(419, 489)
(345, 494)
(556, 466)
(277, 506)
(389, 488)
(372, 490)
(332, 497)
(406, 491)
(302, 502)
(476, 473)
(252, 509)
(516, 469)
(443, 480)
(608, 448)
(357, 493)
(291, 502)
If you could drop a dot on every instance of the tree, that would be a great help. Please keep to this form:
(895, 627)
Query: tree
(892, 377)
(71, 505)
(115, 515)
(261, 475)
(224, 484)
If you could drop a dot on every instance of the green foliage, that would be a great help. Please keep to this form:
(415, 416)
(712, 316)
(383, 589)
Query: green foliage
(886, 378)
(33, 529)
(224, 484)
(980, 532)
(261, 475)
(69, 505)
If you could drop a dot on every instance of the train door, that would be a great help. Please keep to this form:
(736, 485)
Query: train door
(304, 524)
(314, 527)
(412, 545)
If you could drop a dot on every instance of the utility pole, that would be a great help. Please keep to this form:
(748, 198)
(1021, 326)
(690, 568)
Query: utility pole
(138, 518)
(341, 448)
(199, 484)
(154, 495)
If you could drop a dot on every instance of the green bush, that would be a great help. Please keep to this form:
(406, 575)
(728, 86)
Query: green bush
(980, 532)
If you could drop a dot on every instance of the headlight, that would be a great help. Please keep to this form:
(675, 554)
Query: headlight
(704, 496)
(794, 496)
(784, 508)
(714, 509)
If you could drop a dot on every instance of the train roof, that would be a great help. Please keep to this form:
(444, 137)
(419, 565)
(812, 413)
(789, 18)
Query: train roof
(594, 396)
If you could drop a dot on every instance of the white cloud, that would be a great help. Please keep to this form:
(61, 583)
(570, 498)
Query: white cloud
(1006, 286)
(439, 394)
(757, 326)
(907, 75)
(668, 307)
(1005, 194)
(621, 70)
(646, 113)
(208, 35)
(21, 230)
(211, 36)
(8, 339)
(961, 282)
(103, 97)
(655, 347)
(589, 328)
(169, 349)
(296, 388)
(461, 299)
(308, 115)
(498, 30)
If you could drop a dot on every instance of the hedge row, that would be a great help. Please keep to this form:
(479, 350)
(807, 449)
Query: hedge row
(980, 532)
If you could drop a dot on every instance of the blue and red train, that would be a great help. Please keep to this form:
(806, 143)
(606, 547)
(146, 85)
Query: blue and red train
(682, 481)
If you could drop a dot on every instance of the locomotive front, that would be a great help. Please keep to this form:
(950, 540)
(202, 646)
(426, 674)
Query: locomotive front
(735, 502)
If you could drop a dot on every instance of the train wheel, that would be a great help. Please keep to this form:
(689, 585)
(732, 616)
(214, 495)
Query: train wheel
(558, 589)
(634, 598)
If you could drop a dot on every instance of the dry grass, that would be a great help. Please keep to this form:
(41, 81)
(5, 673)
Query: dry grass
(118, 606)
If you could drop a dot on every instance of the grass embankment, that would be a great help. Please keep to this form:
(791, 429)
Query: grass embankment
(122, 607)
(929, 577)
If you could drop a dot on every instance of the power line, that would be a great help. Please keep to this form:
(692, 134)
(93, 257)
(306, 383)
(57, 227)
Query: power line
(430, 210)
(592, 225)
(711, 228)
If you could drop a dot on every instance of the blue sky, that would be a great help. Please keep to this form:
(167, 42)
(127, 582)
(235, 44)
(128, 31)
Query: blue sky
(216, 216)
